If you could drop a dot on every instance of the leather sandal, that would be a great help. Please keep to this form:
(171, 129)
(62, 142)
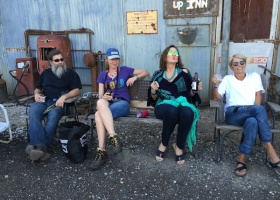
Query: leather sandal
(180, 159)
(238, 169)
(274, 166)
(160, 155)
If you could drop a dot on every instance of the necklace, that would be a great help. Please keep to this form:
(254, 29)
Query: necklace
(112, 75)
(173, 75)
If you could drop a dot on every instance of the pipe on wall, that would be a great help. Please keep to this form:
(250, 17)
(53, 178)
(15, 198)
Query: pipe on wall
(276, 43)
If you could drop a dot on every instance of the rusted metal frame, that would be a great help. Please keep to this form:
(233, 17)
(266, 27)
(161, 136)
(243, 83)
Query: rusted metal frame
(29, 32)
(45, 32)
(276, 43)
(226, 36)
(212, 54)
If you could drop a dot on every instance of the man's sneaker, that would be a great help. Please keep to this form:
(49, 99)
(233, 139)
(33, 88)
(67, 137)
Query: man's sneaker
(28, 149)
(99, 160)
(39, 152)
(116, 146)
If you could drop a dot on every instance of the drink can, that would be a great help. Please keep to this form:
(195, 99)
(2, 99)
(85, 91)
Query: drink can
(142, 113)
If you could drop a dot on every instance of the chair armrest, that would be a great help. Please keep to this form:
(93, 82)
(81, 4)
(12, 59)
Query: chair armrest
(219, 110)
(72, 99)
(27, 98)
(214, 103)
(273, 106)
(69, 107)
(69, 100)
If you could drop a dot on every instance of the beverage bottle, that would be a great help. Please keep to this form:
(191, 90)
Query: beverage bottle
(108, 89)
(142, 113)
(195, 82)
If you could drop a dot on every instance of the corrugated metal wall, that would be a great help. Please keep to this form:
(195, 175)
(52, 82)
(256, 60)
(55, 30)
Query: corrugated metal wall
(107, 19)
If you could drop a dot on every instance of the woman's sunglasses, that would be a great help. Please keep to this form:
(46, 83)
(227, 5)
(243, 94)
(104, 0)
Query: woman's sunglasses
(175, 53)
(57, 60)
(236, 63)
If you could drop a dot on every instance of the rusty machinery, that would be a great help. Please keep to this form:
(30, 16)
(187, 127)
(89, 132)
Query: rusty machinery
(27, 70)
(46, 43)
(27, 75)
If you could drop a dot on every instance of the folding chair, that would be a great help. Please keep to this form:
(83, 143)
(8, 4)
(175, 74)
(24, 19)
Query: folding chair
(69, 109)
(5, 125)
(220, 123)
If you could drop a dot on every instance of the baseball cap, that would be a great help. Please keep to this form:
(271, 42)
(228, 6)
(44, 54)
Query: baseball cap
(112, 53)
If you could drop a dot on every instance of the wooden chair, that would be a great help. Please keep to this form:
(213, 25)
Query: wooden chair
(220, 123)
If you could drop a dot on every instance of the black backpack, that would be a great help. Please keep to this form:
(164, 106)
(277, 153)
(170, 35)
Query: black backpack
(73, 138)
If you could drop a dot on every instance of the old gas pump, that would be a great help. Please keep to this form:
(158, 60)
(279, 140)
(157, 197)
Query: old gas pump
(26, 75)
(46, 43)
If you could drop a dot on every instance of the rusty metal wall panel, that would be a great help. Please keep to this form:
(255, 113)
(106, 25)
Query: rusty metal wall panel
(106, 19)
(250, 19)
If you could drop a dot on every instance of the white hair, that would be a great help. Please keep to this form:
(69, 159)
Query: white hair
(59, 71)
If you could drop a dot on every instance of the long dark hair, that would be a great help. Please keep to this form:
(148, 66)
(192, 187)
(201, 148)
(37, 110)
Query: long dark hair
(162, 63)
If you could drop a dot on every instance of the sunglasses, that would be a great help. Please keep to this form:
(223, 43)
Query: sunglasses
(236, 63)
(57, 60)
(175, 53)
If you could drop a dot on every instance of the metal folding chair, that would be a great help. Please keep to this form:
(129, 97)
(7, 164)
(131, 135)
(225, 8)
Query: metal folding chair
(220, 123)
(5, 125)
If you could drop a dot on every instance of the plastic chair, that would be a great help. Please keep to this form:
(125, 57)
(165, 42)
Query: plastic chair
(5, 125)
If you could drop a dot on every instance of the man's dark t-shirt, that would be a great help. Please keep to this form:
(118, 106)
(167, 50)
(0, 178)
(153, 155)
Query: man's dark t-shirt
(54, 87)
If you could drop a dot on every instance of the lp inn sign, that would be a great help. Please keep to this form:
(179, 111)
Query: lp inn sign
(190, 8)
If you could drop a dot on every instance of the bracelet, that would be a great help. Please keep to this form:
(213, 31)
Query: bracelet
(136, 77)
(215, 87)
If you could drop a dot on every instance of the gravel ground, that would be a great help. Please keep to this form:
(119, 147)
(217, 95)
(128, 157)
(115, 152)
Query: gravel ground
(134, 173)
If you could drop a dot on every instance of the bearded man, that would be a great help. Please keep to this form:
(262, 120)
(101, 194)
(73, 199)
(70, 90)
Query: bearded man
(55, 85)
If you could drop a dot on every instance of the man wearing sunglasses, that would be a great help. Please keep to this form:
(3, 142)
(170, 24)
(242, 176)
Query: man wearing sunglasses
(55, 85)
(243, 98)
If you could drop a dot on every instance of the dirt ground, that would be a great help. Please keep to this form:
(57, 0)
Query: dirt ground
(134, 173)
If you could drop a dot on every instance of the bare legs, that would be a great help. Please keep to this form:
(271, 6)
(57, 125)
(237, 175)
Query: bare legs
(271, 153)
(104, 121)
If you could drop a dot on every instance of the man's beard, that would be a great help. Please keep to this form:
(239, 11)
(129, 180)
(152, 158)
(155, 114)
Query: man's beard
(59, 71)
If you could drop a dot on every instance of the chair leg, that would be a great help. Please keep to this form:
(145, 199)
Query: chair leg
(215, 134)
(91, 130)
(218, 145)
(27, 126)
(10, 138)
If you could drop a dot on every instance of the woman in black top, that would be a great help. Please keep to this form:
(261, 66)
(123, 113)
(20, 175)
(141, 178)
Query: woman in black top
(171, 89)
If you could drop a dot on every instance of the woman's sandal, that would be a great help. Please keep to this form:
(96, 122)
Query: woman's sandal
(238, 169)
(179, 159)
(160, 155)
(275, 166)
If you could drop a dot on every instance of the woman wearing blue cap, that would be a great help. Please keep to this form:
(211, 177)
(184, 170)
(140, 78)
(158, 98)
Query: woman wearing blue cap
(113, 102)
